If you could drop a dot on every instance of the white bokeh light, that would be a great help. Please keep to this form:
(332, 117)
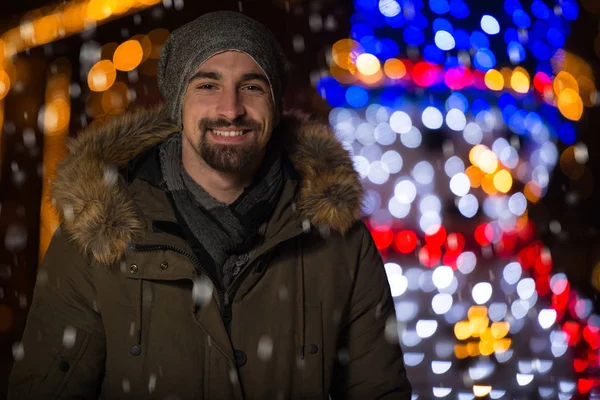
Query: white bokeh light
(460, 184)
(392, 161)
(430, 203)
(490, 25)
(430, 222)
(365, 134)
(547, 318)
(377, 173)
(482, 292)
(456, 120)
(440, 367)
(441, 303)
(473, 133)
(389, 8)
(398, 209)
(412, 139)
(444, 40)
(384, 135)
(517, 203)
(526, 288)
(432, 118)
(468, 205)
(466, 262)
(423, 172)
(362, 165)
(442, 276)
(398, 282)
(426, 328)
(405, 191)
(401, 122)
(454, 165)
(512, 272)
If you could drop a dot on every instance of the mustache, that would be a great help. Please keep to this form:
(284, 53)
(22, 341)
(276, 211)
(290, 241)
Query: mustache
(207, 123)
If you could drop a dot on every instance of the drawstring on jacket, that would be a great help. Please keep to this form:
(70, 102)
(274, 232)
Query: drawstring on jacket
(139, 313)
(300, 271)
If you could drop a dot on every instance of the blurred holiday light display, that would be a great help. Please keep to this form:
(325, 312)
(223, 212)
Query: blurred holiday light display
(454, 113)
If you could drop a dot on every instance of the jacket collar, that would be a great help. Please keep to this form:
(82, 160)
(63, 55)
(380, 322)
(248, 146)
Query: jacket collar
(100, 215)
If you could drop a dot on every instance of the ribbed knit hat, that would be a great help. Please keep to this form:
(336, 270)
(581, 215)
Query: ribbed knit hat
(195, 42)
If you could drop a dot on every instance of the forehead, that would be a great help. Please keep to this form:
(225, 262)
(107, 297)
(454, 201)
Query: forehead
(231, 61)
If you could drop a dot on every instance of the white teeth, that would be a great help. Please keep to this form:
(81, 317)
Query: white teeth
(228, 133)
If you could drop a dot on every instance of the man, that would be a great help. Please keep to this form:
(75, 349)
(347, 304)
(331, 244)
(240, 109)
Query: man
(211, 250)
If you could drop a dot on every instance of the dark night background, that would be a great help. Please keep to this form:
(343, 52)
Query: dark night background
(575, 252)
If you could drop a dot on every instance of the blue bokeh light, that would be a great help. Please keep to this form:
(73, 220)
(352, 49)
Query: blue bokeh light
(479, 105)
(459, 9)
(389, 49)
(459, 101)
(510, 6)
(555, 37)
(540, 10)
(484, 60)
(331, 90)
(366, 5)
(506, 99)
(397, 21)
(359, 31)
(462, 39)
(441, 24)
(439, 6)
(413, 36)
(357, 96)
(521, 19)
(479, 40)
(541, 50)
(566, 133)
(419, 21)
(516, 52)
(433, 54)
(570, 9)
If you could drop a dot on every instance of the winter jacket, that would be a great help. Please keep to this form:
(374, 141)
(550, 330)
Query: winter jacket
(122, 307)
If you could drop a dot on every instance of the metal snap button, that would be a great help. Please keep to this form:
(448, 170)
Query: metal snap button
(64, 366)
(164, 265)
(313, 349)
(240, 358)
(135, 350)
(133, 269)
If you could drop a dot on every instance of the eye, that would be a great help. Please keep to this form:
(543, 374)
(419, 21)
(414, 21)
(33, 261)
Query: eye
(206, 86)
(254, 88)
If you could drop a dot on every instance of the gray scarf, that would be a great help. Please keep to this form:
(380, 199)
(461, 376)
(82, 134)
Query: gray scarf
(227, 233)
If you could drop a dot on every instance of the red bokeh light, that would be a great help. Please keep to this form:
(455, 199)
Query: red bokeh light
(430, 255)
(406, 241)
(383, 237)
(437, 238)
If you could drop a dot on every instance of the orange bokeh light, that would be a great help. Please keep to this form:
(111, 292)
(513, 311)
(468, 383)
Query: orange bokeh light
(102, 76)
(128, 55)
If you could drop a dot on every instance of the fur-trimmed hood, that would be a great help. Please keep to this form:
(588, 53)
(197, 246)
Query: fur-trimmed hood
(101, 218)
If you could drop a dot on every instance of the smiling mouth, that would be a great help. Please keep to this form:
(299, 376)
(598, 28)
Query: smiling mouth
(229, 133)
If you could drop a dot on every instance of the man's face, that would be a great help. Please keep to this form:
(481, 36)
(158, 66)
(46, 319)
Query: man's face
(228, 112)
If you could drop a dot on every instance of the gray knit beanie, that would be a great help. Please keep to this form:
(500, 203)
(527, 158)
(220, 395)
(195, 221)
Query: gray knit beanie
(195, 42)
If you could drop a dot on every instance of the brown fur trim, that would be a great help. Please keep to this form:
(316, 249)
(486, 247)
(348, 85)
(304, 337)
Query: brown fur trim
(101, 218)
(96, 212)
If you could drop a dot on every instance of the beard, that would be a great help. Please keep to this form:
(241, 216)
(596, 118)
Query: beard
(225, 157)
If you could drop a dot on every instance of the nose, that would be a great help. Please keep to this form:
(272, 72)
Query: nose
(230, 104)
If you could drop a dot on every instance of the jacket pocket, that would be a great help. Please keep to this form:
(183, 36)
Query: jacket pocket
(60, 359)
(311, 368)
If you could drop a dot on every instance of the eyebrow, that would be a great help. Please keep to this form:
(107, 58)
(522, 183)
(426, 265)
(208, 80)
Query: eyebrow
(218, 76)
